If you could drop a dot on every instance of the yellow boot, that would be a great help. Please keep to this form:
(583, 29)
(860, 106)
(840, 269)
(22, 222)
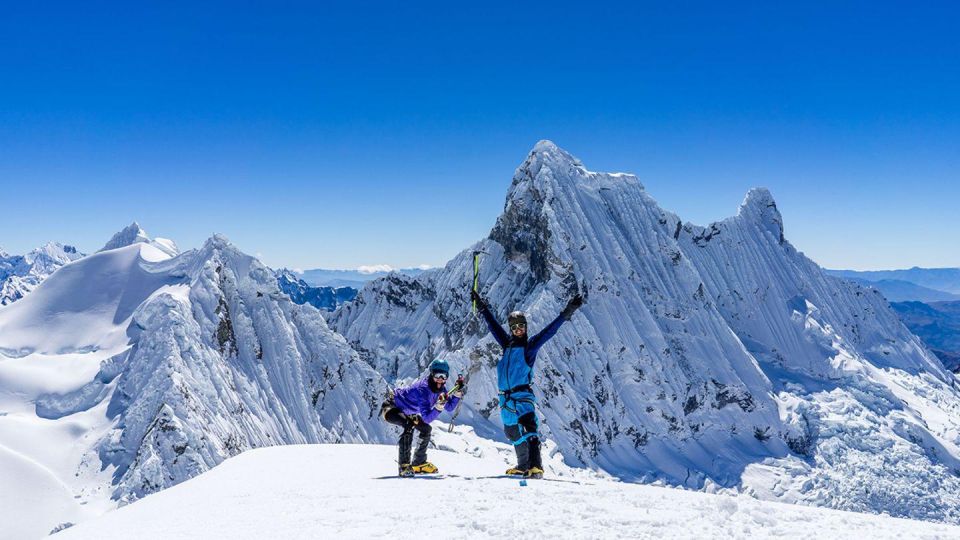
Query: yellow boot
(516, 472)
(425, 468)
(534, 472)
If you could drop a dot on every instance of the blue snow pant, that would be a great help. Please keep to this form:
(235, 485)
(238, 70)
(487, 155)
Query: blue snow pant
(520, 424)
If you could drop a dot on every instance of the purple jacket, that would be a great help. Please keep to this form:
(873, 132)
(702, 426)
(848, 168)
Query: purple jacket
(418, 398)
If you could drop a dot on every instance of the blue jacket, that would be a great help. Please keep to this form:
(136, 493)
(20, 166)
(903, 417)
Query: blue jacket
(419, 398)
(515, 367)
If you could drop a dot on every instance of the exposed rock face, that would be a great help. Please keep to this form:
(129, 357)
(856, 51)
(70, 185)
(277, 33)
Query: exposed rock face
(715, 352)
(322, 298)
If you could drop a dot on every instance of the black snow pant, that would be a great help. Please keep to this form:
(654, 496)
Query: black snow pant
(528, 451)
(396, 417)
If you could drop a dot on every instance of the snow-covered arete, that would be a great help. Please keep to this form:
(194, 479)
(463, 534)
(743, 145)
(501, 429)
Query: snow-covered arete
(703, 356)
(20, 274)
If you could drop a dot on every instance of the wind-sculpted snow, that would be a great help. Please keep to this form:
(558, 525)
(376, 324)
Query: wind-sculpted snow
(21, 274)
(226, 363)
(702, 353)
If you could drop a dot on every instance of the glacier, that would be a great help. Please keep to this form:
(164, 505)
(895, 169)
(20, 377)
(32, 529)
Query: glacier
(712, 357)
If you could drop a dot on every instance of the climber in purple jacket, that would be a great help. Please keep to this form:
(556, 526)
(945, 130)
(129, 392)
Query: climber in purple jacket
(414, 407)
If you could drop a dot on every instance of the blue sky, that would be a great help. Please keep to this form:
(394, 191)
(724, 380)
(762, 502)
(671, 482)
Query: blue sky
(387, 132)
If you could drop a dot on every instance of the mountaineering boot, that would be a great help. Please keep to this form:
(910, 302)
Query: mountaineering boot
(406, 470)
(536, 462)
(425, 468)
(534, 472)
(514, 471)
(420, 454)
(406, 441)
(523, 455)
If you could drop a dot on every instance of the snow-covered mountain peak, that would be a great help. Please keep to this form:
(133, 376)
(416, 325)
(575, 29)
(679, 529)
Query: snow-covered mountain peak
(760, 201)
(716, 352)
(547, 152)
(131, 234)
(218, 241)
(134, 234)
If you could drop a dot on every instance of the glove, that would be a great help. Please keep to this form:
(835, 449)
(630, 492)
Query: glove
(572, 306)
(441, 401)
(475, 296)
(459, 387)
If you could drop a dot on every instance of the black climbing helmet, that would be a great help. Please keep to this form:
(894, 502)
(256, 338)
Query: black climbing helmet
(516, 317)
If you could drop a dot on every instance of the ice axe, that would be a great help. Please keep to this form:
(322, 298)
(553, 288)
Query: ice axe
(476, 274)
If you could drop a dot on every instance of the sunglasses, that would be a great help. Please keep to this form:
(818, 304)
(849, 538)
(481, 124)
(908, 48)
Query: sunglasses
(514, 326)
(439, 377)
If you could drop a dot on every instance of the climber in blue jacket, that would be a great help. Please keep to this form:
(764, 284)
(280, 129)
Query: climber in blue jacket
(514, 375)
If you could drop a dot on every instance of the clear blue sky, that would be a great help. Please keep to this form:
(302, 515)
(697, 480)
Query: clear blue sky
(336, 135)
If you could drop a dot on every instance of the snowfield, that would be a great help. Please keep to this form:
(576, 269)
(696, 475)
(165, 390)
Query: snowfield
(351, 491)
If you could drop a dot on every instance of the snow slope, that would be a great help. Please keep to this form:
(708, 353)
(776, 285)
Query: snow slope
(305, 492)
(52, 344)
(715, 354)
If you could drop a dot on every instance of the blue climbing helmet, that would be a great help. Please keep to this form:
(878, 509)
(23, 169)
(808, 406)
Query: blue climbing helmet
(439, 366)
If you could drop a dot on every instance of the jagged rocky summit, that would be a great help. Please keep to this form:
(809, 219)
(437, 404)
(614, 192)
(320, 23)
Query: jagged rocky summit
(704, 356)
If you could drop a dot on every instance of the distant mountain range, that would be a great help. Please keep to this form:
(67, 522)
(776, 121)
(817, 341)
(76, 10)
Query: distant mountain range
(920, 284)
(896, 290)
(321, 277)
(937, 324)
(324, 297)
